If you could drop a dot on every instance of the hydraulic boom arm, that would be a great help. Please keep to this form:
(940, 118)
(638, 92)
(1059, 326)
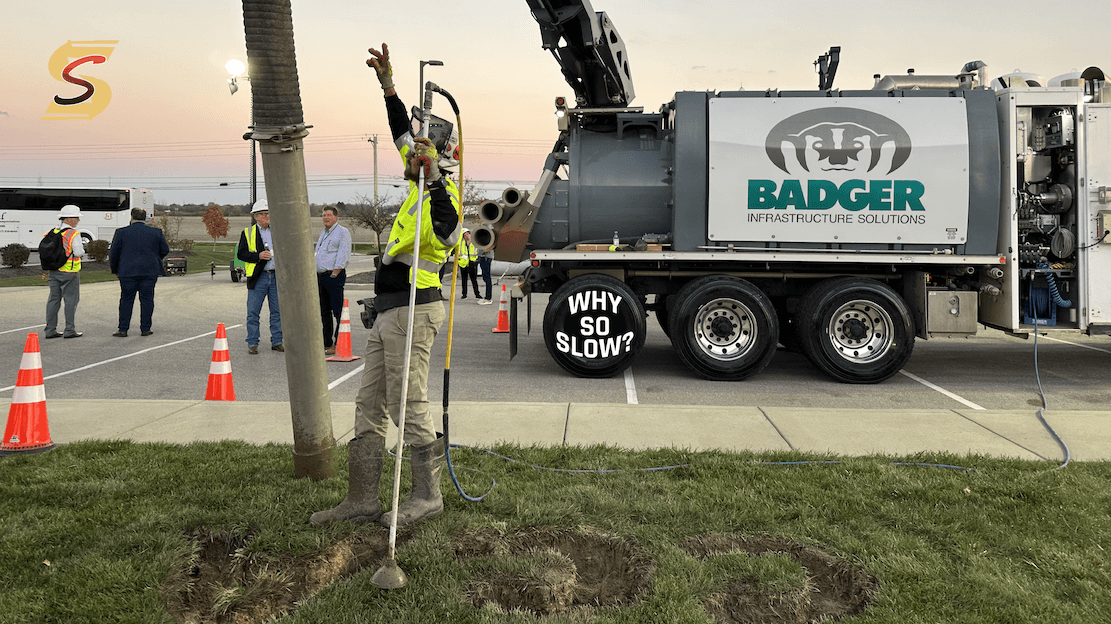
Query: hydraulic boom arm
(592, 55)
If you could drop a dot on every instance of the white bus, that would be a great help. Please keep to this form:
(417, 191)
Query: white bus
(26, 214)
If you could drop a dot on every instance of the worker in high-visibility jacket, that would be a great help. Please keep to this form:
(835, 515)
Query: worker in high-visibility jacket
(65, 281)
(380, 391)
(468, 263)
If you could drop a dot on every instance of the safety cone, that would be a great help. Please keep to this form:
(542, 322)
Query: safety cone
(343, 341)
(220, 385)
(28, 430)
(503, 314)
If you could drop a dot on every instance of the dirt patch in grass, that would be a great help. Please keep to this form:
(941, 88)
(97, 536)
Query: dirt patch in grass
(537, 570)
(543, 571)
(223, 581)
(834, 589)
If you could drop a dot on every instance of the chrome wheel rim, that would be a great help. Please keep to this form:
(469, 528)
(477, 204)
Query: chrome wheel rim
(860, 331)
(725, 329)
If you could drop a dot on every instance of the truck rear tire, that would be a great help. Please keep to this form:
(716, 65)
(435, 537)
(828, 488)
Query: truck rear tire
(724, 328)
(594, 326)
(856, 330)
(662, 313)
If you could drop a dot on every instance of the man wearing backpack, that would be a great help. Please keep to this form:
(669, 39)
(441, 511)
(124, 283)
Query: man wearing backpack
(65, 280)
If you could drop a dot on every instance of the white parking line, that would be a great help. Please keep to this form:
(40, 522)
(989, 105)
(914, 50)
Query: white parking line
(1077, 344)
(630, 387)
(124, 357)
(337, 382)
(8, 331)
(941, 390)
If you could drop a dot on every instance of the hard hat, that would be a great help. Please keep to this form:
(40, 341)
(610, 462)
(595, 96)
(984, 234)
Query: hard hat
(69, 210)
(466, 231)
(260, 206)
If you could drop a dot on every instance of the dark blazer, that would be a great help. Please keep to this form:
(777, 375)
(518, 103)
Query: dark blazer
(137, 251)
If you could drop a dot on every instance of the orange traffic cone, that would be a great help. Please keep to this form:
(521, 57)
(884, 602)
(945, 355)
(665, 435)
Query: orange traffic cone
(343, 341)
(220, 385)
(503, 313)
(28, 430)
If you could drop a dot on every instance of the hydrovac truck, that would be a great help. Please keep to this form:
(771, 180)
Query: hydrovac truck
(842, 224)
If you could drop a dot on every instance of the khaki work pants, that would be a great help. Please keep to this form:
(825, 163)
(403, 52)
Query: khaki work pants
(380, 392)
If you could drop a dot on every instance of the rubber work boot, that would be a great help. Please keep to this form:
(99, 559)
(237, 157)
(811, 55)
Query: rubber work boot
(425, 500)
(364, 470)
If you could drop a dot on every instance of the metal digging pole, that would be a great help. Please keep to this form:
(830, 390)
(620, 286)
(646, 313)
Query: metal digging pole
(279, 128)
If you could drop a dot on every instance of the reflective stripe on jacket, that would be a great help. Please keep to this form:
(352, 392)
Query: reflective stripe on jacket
(74, 264)
(433, 249)
(250, 233)
(467, 254)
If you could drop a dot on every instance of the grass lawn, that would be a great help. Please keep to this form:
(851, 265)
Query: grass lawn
(217, 532)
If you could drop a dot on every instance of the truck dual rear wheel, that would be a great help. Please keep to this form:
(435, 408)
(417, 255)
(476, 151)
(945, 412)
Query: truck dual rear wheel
(594, 326)
(724, 328)
(856, 330)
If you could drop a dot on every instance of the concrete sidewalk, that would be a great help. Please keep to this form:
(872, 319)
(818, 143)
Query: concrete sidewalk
(846, 432)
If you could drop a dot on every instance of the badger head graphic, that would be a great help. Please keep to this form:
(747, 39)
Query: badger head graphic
(838, 140)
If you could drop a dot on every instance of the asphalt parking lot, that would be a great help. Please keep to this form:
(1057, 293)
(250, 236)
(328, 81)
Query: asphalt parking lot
(989, 371)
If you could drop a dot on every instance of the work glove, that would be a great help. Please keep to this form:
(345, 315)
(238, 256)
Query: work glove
(429, 158)
(381, 65)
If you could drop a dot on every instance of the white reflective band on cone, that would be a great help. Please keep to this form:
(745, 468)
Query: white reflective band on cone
(29, 394)
(221, 344)
(30, 361)
(220, 368)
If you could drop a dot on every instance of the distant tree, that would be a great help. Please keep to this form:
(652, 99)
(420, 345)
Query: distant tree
(171, 227)
(473, 196)
(374, 215)
(216, 223)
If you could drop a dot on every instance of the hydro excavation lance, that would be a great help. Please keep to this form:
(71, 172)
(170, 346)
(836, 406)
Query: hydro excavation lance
(390, 575)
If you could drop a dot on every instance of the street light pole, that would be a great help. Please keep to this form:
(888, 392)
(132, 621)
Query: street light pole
(374, 140)
(420, 91)
(236, 68)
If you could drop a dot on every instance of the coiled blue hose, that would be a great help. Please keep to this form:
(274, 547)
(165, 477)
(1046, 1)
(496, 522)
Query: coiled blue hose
(1057, 298)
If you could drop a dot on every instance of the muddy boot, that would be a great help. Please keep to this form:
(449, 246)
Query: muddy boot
(425, 500)
(364, 468)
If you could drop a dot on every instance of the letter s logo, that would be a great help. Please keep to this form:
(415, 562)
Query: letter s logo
(97, 95)
(89, 88)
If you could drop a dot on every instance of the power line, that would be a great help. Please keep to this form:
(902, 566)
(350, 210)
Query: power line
(229, 149)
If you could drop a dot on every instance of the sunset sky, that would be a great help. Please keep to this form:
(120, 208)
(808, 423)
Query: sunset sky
(172, 126)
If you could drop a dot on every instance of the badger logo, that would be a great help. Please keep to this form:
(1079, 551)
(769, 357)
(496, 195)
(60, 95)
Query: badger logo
(832, 140)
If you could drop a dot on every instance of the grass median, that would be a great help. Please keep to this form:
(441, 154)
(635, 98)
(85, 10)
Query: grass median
(113, 531)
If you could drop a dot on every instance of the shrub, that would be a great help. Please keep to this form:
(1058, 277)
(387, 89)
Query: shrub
(184, 244)
(97, 250)
(14, 255)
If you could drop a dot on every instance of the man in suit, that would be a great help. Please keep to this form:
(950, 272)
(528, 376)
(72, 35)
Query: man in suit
(136, 258)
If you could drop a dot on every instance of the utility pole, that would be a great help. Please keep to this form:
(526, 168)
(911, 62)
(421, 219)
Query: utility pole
(279, 127)
(374, 140)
